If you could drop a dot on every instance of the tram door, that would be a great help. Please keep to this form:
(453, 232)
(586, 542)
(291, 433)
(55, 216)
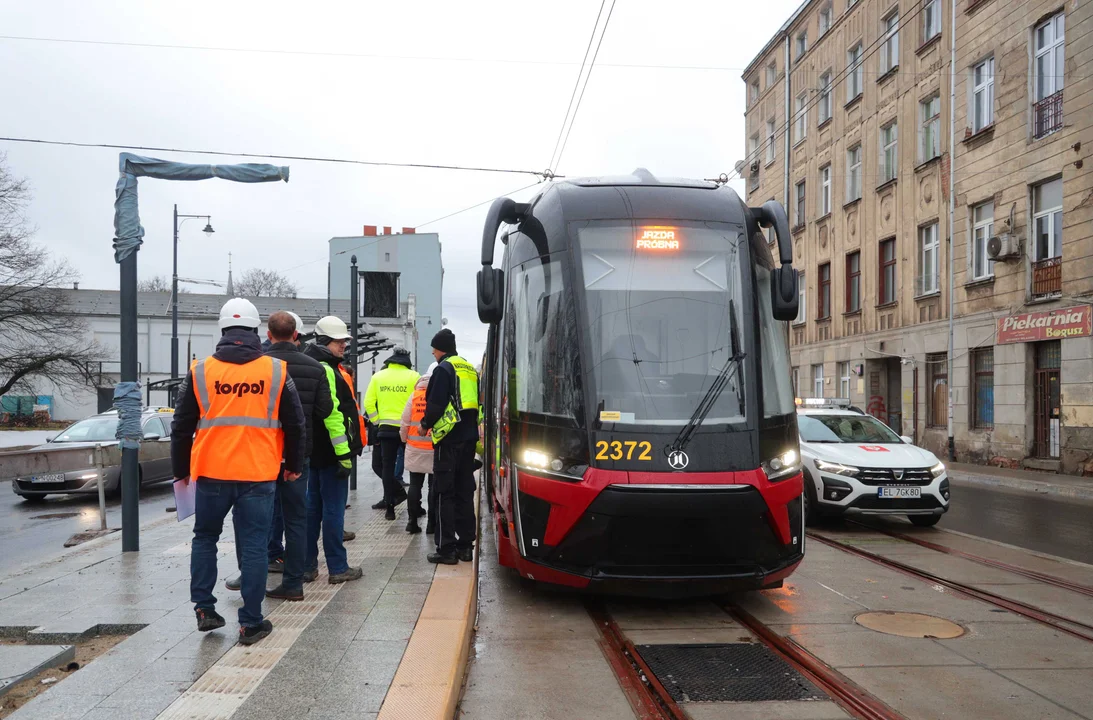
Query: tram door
(1048, 409)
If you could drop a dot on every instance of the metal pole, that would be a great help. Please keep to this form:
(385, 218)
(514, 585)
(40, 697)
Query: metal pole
(354, 291)
(130, 469)
(328, 288)
(174, 314)
(102, 491)
(952, 212)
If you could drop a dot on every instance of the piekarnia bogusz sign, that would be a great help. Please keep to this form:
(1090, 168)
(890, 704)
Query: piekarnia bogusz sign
(1054, 325)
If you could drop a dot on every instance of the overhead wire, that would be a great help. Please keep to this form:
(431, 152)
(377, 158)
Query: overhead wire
(576, 83)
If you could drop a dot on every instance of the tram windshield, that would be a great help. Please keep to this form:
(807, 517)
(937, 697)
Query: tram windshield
(658, 300)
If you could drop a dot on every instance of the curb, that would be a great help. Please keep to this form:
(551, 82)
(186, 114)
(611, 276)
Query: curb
(1036, 487)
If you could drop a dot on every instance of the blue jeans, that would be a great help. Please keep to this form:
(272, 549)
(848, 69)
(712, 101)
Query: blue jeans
(326, 498)
(251, 504)
(290, 520)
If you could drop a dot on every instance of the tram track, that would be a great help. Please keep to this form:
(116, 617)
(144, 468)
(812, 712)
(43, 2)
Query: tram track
(1072, 627)
(988, 562)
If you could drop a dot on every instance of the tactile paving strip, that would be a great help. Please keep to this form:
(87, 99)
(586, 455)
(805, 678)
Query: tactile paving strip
(229, 682)
(729, 672)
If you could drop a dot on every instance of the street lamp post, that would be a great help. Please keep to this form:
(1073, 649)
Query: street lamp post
(174, 296)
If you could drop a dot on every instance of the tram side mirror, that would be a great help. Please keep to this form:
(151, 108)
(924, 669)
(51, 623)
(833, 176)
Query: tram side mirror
(491, 288)
(783, 293)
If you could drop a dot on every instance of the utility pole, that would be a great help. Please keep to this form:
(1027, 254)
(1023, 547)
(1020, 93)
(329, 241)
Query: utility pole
(354, 291)
(952, 212)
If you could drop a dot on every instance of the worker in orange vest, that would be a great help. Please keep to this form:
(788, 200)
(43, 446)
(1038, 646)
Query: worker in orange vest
(419, 456)
(238, 415)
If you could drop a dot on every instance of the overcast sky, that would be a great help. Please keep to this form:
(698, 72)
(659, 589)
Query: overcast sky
(481, 83)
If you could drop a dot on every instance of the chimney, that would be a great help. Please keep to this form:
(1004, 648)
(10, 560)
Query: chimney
(386, 230)
(408, 231)
(369, 230)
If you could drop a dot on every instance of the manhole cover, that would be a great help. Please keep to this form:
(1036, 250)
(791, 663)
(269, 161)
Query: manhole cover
(911, 625)
(54, 516)
(725, 673)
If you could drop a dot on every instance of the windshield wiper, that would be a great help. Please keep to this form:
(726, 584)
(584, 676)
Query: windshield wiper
(731, 369)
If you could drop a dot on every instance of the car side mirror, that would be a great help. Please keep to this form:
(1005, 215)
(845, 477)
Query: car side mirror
(151, 436)
(50, 438)
(907, 439)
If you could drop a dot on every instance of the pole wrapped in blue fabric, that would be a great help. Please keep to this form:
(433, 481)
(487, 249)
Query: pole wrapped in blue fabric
(127, 402)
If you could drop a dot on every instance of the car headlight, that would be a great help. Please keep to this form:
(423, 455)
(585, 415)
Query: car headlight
(938, 470)
(836, 468)
(782, 466)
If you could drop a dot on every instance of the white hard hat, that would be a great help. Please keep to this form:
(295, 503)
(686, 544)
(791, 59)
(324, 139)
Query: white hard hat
(299, 322)
(239, 312)
(333, 328)
(431, 368)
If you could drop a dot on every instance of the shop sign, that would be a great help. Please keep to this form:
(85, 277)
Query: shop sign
(1053, 325)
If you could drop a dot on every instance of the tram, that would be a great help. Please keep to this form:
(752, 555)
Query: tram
(639, 426)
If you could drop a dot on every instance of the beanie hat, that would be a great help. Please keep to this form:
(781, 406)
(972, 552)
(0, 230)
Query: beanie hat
(444, 341)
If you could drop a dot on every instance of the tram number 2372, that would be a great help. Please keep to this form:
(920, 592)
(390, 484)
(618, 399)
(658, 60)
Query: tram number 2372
(628, 450)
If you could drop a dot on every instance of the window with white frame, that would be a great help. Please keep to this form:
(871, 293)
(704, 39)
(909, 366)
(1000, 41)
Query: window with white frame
(753, 148)
(817, 381)
(929, 128)
(825, 98)
(889, 152)
(1047, 208)
(799, 209)
(983, 95)
(853, 72)
(931, 19)
(754, 91)
(825, 20)
(927, 259)
(889, 49)
(771, 148)
(772, 73)
(802, 43)
(825, 190)
(802, 296)
(853, 173)
(800, 123)
(1050, 41)
(844, 379)
(982, 266)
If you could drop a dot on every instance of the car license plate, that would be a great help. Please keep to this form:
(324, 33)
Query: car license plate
(48, 478)
(899, 492)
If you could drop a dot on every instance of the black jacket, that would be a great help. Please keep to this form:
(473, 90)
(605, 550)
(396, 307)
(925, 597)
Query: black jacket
(312, 386)
(322, 452)
(237, 346)
(441, 391)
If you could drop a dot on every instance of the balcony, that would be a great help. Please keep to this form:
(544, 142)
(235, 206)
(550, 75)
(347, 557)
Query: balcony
(1047, 115)
(1047, 277)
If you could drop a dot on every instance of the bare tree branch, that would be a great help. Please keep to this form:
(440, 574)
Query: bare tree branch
(265, 283)
(158, 283)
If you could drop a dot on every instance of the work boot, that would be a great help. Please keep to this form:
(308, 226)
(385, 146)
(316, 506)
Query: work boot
(465, 554)
(348, 536)
(353, 573)
(234, 583)
(310, 575)
(280, 593)
(390, 514)
(208, 619)
(277, 566)
(380, 505)
(412, 527)
(254, 633)
(442, 558)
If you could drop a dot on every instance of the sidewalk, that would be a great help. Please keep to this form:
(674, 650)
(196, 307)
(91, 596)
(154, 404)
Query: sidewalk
(1067, 486)
(334, 655)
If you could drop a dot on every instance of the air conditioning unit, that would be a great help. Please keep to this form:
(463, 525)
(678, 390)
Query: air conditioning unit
(755, 166)
(1002, 246)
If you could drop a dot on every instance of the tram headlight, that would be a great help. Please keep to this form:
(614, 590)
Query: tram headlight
(536, 458)
(782, 466)
(836, 468)
(938, 470)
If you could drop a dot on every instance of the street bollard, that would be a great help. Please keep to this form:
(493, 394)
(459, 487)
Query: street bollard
(102, 490)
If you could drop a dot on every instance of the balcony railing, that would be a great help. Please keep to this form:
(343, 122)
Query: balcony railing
(1048, 115)
(1047, 277)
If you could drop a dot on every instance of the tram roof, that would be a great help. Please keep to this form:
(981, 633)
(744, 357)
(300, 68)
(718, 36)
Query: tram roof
(641, 176)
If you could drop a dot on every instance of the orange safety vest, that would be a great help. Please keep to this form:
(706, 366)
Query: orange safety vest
(415, 436)
(360, 418)
(239, 435)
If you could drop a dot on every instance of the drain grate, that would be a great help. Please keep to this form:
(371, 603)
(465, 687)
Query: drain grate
(729, 672)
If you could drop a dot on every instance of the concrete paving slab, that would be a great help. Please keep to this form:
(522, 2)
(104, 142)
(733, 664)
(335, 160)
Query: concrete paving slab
(951, 567)
(783, 710)
(1069, 688)
(19, 662)
(689, 636)
(1061, 567)
(664, 615)
(854, 646)
(509, 610)
(1030, 645)
(801, 599)
(1066, 603)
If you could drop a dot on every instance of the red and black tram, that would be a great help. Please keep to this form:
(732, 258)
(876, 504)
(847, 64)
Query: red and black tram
(640, 432)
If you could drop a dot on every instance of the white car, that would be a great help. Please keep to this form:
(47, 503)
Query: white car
(854, 464)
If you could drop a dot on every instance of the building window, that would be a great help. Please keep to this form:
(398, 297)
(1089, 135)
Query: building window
(937, 393)
(929, 128)
(887, 271)
(889, 49)
(772, 74)
(800, 123)
(1049, 39)
(799, 207)
(754, 91)
(1047, 219)
(983, 388)
(818, 381)
(825, 190)
(771, 149)
(772, 234)
(843, 370)
(825, 20)
(825, 98)
(889, 152)
(823, 294)
(802, 296)
(802, 44)
(927, 260)
(753, 147)
(853, 282)
(853, 173)
(982, 226)
(854, 72)
(983, 95)
(796, 373)
(931, 19)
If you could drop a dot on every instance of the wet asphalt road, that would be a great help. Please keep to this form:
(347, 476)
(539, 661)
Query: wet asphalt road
(26, 540)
